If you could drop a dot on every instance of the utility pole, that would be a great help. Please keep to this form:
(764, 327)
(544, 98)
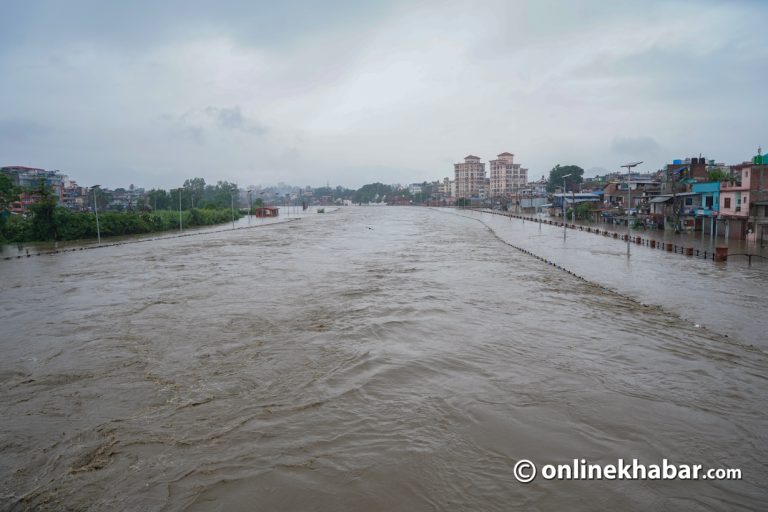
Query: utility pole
(629, 196)
(232, 198)
(96, 211)
(181, 229)
(250, 203)
(565, 219)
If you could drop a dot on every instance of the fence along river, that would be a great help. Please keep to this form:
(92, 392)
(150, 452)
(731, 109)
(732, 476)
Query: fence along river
(373, 358)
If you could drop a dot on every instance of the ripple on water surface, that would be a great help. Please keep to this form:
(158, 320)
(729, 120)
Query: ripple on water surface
(373, 358)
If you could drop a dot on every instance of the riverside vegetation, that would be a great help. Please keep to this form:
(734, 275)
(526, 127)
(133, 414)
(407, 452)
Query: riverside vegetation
(46, 221)
(62, 224)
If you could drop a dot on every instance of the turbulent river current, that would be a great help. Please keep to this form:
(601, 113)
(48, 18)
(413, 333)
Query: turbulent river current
(375, 359)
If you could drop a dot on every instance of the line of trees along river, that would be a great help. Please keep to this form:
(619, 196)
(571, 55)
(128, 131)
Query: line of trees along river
(47, 221)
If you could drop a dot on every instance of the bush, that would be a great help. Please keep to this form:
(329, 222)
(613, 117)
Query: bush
(62, 224)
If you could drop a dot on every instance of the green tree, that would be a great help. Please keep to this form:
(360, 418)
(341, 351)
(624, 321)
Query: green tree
(9, 193)
(217, 196)
(557, 173)
(342, 193)
(425, 194)
(718, 175)
(372, 192)
(158, 199)
(102, 199)
(583, 211)
(322, 191)
(196, 191)
(43, 210)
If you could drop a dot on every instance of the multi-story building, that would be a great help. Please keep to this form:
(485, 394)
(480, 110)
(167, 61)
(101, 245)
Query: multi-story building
(506, 177)
(447, 187)
(738, 211)
(470, 178)
(73, 196)
(641, 190)
(536, 188)
(28, 178)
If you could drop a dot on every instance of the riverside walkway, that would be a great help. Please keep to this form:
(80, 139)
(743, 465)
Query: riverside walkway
(694, 244)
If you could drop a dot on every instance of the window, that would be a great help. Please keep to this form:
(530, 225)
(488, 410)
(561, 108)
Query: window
(688, 201)
(726, 202)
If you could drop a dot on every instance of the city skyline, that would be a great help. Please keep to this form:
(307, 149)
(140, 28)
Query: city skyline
(362, 92)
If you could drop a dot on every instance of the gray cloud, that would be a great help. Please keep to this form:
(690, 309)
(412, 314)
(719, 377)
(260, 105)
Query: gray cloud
(370, 91)
(201, 125)
(140, 24)
(634, 146)
(233, 119)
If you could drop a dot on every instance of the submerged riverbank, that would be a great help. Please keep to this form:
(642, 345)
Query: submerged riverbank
(726, 297)
(18, 251)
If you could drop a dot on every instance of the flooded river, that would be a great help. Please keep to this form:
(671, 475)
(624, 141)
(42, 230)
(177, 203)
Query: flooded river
(368, 359)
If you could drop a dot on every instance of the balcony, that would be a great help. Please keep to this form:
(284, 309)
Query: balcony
(729, 185)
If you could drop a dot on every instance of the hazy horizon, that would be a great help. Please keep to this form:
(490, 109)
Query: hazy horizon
(349, 93)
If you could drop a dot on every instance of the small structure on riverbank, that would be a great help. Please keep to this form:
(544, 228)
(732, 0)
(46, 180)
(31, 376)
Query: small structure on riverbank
(266, 211)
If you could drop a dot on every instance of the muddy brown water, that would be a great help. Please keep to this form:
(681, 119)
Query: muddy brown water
(369, 359)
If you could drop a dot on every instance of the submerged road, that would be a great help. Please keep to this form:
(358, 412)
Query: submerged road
(369, 359)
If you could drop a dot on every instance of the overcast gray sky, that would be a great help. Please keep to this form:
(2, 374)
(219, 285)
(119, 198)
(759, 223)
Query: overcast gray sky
(352, 92)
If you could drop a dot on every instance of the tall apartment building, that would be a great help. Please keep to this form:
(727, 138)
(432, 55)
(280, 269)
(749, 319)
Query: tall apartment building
(470, 177)
(506, 177)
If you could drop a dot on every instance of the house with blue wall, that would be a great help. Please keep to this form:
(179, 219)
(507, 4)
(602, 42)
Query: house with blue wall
(707, 205)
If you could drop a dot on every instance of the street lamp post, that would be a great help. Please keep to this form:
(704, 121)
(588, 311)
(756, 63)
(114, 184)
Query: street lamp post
(181, 227)
(96, 211)
(232, 197)
(565, 220)
(250, 204)
(629, 196)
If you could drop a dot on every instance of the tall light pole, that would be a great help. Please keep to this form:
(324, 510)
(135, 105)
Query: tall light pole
(232, 197)
(565, 220)
(96, 211)
(629, 196)
(181, 228)
(250, 203)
